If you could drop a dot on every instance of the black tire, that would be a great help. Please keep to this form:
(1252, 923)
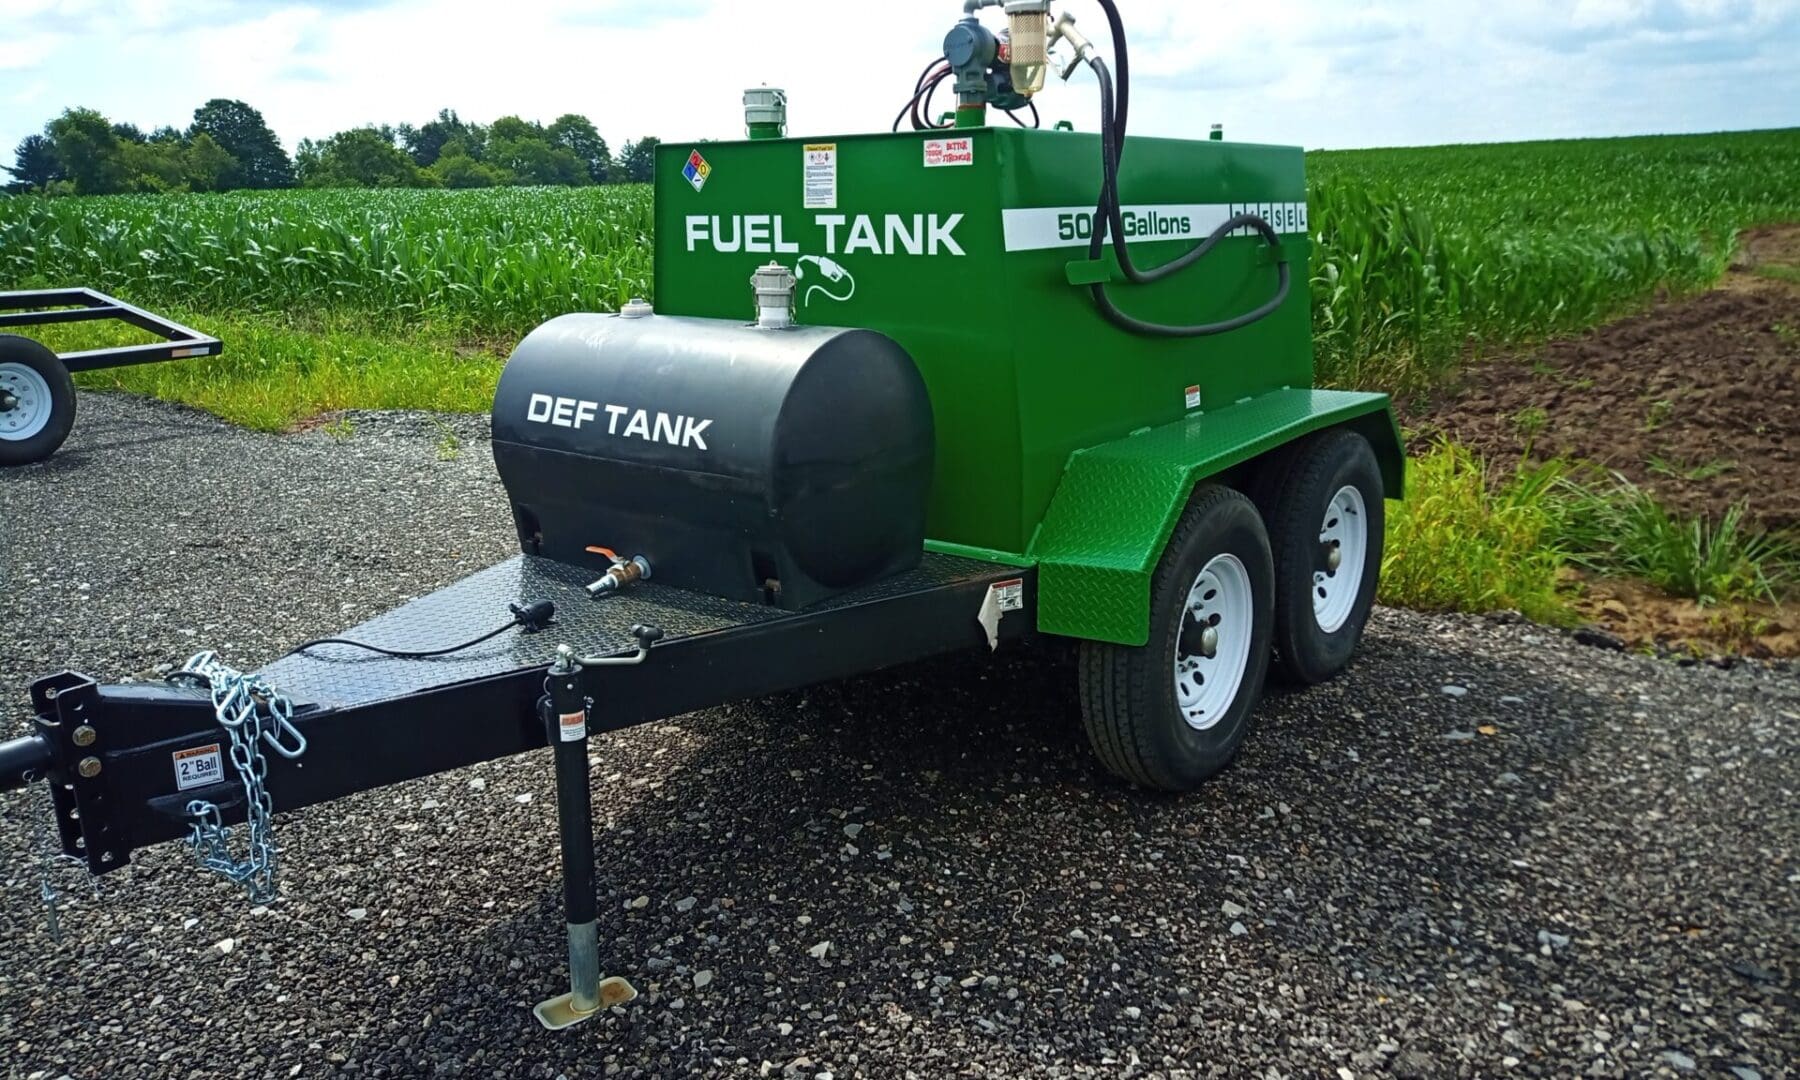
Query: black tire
(1294, 506)
(28, 354)
(1128, 697)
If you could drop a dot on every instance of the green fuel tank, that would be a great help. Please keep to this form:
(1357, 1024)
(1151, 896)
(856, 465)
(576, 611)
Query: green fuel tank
(970, 249)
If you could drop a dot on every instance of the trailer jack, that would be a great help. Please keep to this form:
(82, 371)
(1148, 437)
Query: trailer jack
(564, 713)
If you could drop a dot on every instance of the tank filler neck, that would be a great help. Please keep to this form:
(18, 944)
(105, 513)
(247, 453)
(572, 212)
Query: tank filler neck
(774, 285)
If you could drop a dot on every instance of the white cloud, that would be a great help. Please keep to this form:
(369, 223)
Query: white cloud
(26, 51)
(1315, 72)
(17, 12)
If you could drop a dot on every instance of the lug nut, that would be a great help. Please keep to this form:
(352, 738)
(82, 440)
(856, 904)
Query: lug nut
(84, 735)
(89, 768)
(1209, 642)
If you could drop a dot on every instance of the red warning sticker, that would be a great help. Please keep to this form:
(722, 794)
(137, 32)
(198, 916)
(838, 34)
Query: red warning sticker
(942, 152)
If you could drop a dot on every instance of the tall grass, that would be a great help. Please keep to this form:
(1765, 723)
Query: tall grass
(282, 369)
(1616, 527)
(1470, 538)
(1480, 536)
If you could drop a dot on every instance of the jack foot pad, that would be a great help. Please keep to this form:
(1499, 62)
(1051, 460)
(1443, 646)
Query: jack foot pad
(560, 1011)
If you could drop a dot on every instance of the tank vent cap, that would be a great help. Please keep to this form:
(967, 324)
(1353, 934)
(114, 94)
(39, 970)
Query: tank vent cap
(765, 112)
(636, 308)
(774, 285)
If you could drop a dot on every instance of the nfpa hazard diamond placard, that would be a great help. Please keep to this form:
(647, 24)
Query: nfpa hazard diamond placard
(696, 170)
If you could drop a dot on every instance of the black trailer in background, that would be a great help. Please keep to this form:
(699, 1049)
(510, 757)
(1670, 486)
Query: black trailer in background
(37, 394)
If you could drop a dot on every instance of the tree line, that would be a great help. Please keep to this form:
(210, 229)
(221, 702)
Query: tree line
(230, 147)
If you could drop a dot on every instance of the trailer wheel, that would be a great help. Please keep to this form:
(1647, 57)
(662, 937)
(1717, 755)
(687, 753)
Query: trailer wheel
(1327, 525)
(1174, 711)
(37, 401)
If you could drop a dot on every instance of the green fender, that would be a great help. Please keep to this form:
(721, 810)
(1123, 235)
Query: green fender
(1118, 502)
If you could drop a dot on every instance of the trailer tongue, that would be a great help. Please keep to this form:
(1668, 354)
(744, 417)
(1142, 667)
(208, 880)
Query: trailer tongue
(929, 423)
(138, 765)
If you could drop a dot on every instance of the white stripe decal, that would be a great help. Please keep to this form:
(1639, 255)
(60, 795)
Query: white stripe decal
(1045, 227)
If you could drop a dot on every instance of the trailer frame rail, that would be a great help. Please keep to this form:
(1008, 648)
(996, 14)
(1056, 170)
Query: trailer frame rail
(107, 752)
(47, 307)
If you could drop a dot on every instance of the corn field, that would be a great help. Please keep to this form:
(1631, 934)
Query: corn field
(1418, 254)
(500, 260)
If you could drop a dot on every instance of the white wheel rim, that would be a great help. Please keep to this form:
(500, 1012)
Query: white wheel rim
(31, 412)
(1343, 551)
(1209, 668)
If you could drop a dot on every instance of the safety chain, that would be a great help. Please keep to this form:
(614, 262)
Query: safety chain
(40, 846)
(252, 713)
(50, 860)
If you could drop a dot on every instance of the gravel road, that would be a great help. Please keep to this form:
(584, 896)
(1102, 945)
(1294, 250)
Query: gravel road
(1487, 850)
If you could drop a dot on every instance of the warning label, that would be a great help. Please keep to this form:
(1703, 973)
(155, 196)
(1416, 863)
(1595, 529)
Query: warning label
(821, 178)
(942, 152)
(572, 726)
(199, 767)
(1010, 595)
(1193, 397)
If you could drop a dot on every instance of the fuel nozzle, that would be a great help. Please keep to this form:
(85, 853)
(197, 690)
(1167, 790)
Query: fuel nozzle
(1064, 30)
(1029, 24)
(625, 572)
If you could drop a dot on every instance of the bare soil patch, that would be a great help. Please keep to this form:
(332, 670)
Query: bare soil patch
(1645, 617)
(1694, 399)
(1769, 252)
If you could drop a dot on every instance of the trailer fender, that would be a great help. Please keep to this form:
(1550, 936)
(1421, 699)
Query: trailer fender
(1117, 503)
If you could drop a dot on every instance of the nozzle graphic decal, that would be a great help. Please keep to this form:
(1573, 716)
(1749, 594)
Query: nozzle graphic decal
(829, 278)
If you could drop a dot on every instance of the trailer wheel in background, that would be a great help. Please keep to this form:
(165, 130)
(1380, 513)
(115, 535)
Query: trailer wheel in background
(37, 401)
(1174, 711)
(1327, 525)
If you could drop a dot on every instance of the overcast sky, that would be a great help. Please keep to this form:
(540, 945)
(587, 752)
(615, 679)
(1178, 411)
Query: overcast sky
(1320, 73)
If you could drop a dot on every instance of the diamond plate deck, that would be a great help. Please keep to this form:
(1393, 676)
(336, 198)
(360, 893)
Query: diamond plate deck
(340, 677)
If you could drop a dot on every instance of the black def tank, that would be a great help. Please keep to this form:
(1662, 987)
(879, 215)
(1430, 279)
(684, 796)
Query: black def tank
(775, 466)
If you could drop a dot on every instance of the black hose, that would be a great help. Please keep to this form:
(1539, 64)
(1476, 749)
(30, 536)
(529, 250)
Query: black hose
(1149, 329)
(931, 89)
(1109, 215)
(1122, 60)
(533, 618)
(903, 111)
(1037, 119)
(912, 104)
